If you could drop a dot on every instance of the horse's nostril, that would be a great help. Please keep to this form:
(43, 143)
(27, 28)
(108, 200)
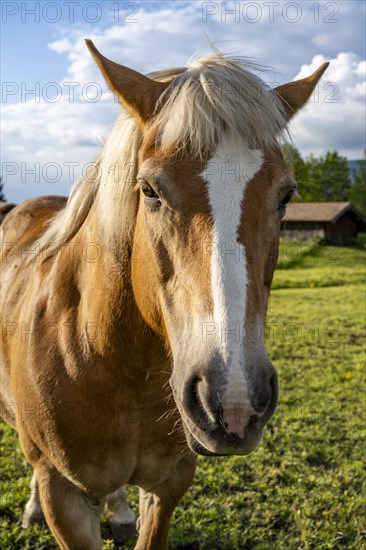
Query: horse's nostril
(264, 396)
(261, 406)
(272, 403)
(262, 399)
(195, 405)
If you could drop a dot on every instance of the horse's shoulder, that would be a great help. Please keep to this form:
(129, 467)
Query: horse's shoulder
(31, 217)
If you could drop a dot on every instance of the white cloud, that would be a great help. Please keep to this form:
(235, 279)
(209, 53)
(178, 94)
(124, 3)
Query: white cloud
(60, 46)
(68, 131)
(335, 115)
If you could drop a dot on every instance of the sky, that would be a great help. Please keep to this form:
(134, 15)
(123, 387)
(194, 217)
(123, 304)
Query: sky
(57, 110)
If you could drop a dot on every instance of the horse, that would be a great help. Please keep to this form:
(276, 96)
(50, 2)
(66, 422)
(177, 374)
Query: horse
(133, 312)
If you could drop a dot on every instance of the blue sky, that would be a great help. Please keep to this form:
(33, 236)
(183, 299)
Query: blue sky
(57, 132)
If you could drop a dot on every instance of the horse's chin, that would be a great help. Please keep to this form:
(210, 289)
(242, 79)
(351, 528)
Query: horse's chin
(220, 446)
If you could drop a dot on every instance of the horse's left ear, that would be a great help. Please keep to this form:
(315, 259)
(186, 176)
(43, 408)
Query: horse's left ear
(138, 93)
(294, 95)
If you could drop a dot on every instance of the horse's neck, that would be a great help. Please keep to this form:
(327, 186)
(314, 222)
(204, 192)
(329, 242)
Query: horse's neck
(107, 309)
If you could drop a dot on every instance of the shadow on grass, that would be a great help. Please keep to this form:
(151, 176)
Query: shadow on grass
(303, 254)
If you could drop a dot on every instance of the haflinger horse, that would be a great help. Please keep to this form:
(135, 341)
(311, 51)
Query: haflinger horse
(133, 313)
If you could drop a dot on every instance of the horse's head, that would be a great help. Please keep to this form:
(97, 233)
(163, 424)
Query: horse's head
(213, 187)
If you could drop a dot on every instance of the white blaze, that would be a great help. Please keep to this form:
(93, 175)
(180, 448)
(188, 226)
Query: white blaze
(228, 174)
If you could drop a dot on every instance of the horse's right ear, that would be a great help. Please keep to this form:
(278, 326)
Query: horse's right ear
(138, 93)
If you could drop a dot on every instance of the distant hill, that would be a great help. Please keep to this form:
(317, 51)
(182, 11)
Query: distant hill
(355, 165)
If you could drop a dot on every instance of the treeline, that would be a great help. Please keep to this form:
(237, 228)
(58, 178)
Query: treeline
(328, 178)
(2, 196)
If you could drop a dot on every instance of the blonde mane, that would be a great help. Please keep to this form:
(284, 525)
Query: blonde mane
(216, 94)
(212, 95)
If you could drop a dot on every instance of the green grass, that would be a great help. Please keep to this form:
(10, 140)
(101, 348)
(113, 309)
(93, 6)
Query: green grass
(304, 488)
(309, 264)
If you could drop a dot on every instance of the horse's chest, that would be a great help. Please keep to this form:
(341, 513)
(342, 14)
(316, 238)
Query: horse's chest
(156, 458)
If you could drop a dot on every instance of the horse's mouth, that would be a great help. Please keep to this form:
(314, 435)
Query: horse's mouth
(199, 449)
(221, 443)
(216, 440)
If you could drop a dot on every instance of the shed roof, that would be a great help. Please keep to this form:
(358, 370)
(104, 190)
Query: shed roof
(318, 211)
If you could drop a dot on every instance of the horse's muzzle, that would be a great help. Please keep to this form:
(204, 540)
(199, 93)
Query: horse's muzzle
(206, 432)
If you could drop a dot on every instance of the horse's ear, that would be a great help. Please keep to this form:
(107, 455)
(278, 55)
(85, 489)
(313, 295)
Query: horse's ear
(294, 95)
(138, 93)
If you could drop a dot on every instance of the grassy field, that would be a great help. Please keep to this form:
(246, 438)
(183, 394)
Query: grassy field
(304, 488)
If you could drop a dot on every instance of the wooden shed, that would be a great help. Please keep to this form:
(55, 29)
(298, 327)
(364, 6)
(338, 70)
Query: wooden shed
(335, 222)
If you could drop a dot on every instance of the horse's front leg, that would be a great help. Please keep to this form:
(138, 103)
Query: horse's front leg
(72, 515)
(157, 506)
(122, 520)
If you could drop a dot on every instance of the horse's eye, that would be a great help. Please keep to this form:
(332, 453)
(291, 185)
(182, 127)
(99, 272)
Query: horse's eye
(151, 198)
(148, 191)
(286, 199)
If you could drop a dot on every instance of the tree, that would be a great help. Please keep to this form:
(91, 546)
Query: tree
(357, 192)
(295, 161)
(303, 169)
(307, 189)
(2, 196)
(329, 176)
